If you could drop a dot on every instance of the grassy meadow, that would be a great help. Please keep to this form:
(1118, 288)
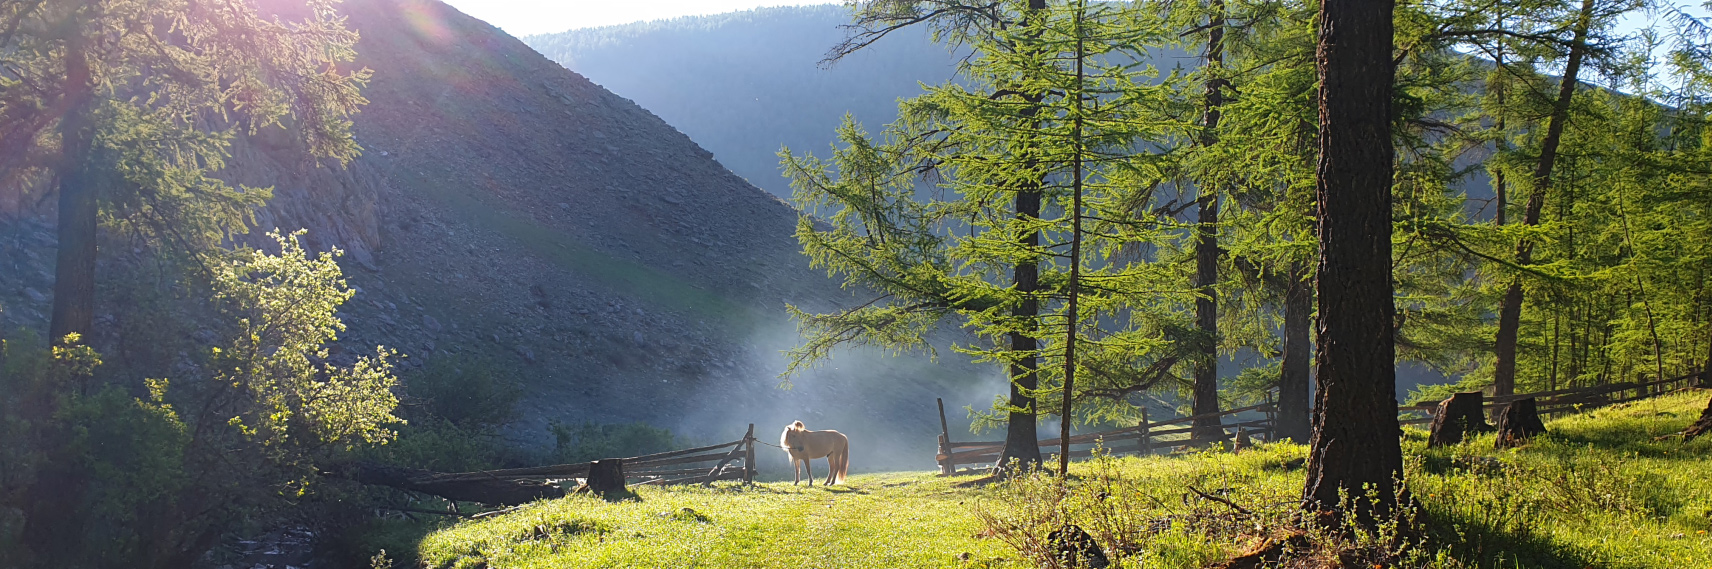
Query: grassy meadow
(1602, 490)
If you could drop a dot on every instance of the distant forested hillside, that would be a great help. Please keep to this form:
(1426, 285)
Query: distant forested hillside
(743, 84)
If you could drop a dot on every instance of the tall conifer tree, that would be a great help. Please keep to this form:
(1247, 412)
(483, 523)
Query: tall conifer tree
(1355, 450)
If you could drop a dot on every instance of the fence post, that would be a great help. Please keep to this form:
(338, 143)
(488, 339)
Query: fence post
(749, 457)
(1271, 419)
(946, 467)
(1146, 441)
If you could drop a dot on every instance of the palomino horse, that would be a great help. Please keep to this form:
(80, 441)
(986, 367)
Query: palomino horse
(804, 445)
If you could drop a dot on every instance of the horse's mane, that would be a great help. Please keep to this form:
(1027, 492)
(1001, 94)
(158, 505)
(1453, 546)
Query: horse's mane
(798, 426)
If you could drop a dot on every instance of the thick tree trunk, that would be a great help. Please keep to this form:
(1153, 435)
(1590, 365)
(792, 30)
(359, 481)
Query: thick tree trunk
(1022, 439)
(74, 271)
(1355, 445)
(1457, 417)
(1207, 252)
(1293, 388)
(1518, 422)
(1510, 313)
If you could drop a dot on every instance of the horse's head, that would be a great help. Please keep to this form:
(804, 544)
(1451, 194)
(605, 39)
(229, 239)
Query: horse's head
(787, 438)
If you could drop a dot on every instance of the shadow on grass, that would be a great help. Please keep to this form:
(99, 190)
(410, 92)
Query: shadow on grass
(844, 490)
(1639, 428)
(1500, 544)
(612, 496)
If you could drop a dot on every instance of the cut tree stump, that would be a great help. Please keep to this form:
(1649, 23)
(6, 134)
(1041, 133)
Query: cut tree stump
(1073, 547)
(1701, 426)
(1518, 422)
(1269, 552)
(606, 476)
(1241, 442)
(1457, 417)
(491, 491)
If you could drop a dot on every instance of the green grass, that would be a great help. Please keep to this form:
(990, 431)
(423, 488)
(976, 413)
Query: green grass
(1600, 491)
(885, 520)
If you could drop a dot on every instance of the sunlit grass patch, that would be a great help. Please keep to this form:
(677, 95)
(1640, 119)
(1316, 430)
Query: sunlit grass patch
(1608, 488)
(892, 520)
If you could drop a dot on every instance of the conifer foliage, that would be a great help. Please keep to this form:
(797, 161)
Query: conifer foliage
(1057, 105)
(126, 108)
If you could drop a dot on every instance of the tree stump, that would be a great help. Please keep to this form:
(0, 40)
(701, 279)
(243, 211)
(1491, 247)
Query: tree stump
(1241, 441)
(1518, 422)
(1073, 547)
(1457, 417)
(606, 476)
(1701, 426)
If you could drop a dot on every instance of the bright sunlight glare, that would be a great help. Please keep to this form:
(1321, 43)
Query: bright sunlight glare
(526, 17)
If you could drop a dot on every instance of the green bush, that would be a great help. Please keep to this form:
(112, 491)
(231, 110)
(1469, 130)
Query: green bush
(114, 470)
(468, 392)
(589, 441)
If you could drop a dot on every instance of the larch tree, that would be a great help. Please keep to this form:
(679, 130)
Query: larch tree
(1023, 124)
(1206, 385)
(1510, 311)
(1355, 452)
(127, 108)
(1260, 158)
(956, 23)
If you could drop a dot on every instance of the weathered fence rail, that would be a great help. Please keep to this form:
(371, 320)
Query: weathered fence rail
(1139, 439)
(1561, 401)
(1147, 434)
(734, 460)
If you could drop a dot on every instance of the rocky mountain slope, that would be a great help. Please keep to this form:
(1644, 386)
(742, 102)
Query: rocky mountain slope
(507, 209)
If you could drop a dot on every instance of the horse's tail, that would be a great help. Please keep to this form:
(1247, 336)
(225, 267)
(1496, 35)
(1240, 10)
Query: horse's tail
(843, 465)
(798, 426)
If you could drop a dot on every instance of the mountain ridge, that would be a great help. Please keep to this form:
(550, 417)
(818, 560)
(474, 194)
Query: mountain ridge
(506, 208)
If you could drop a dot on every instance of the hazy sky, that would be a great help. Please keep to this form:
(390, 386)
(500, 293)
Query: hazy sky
(525, 17)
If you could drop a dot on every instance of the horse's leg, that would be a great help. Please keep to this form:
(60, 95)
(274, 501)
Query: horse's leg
(796, 471)
(843, 463)
(831, 468)
(809, 465)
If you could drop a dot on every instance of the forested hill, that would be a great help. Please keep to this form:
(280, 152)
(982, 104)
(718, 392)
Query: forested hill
(743, 84)
(508, 216)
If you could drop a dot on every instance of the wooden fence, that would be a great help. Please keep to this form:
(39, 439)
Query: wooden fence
(734, 460)
(1147, 436)
(1562, 401)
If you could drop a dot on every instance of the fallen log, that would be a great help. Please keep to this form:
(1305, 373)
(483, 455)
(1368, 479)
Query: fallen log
(491, 491)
